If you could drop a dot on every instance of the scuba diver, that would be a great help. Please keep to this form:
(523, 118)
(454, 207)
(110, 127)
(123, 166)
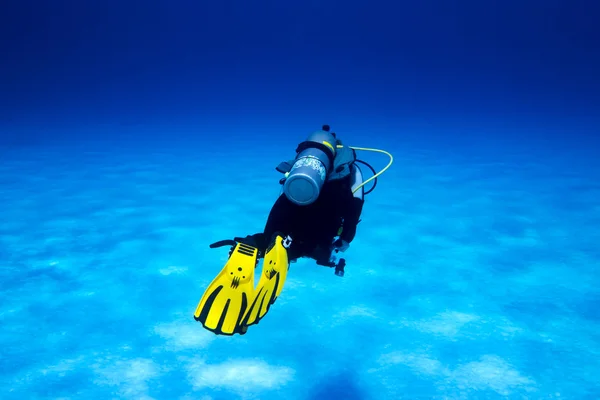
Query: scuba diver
(317, 204)
(315, 216)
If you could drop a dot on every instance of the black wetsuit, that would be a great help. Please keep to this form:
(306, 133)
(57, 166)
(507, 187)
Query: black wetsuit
(313, 227)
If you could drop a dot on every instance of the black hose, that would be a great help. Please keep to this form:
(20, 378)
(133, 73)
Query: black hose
(374, 173)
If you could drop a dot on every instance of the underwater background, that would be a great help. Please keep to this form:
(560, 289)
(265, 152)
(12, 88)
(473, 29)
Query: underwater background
(134, 134)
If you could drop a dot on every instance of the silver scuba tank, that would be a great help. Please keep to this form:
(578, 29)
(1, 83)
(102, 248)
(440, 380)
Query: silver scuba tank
(309, 172)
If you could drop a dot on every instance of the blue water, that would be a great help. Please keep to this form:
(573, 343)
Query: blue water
(474, 274)
(134, 134)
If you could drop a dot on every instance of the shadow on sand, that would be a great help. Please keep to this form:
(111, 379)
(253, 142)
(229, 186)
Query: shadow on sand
(343, 385)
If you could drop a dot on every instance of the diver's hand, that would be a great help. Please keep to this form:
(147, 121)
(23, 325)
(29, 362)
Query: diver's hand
(340, 245)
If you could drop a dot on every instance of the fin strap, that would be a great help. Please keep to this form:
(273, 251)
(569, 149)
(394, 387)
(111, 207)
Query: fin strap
(222, 243)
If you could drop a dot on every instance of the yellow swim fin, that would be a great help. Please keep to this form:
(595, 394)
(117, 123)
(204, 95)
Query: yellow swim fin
(226, 300)
(271, 282)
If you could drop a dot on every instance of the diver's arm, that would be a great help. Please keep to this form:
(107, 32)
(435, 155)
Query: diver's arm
(351, 219)
(354, 206)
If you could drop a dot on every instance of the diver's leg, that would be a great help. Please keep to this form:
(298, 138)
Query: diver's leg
(296, 251)
(281, 219)
(278, 223)
(257, 240)
(322, 254)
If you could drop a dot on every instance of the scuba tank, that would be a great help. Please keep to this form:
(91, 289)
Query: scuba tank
(320, 158)
(309, 171)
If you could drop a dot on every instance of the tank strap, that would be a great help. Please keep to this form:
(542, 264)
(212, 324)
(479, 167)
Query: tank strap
(309, 144)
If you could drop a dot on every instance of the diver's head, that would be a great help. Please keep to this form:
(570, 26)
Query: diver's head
(313, 162)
